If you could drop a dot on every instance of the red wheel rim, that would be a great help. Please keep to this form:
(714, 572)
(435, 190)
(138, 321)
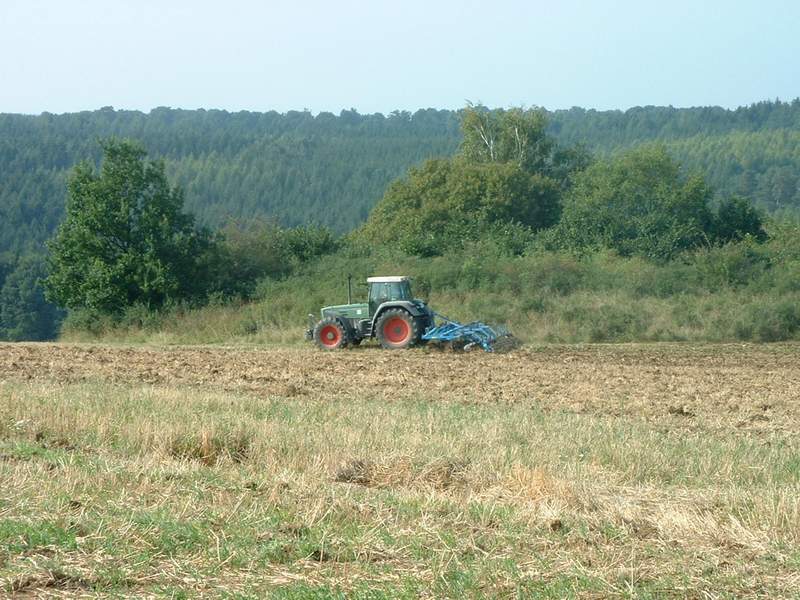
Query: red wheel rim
(396, 330)
(329, 336)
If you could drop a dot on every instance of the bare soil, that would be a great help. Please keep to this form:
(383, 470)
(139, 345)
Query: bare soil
(750, 387)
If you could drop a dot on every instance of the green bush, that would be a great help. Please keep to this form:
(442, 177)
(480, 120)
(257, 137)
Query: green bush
(643, 278)
(608, 322)
(771, 321)
(310, 242)
(735, 264)
(552, 273)
(735, 219)
(24, 312)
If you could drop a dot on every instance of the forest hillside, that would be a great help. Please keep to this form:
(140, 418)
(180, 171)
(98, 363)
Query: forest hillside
(332, 169)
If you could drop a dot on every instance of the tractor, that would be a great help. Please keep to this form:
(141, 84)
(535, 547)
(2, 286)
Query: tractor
(391, 314)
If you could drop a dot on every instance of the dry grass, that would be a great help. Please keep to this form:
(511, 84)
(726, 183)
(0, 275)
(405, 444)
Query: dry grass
(619, 471)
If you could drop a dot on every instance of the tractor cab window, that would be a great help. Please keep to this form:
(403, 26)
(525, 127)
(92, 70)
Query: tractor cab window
(385, 292)
(400, 290)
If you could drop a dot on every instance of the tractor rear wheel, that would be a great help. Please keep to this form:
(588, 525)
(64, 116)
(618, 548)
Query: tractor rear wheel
(396, 329)
(329, 334)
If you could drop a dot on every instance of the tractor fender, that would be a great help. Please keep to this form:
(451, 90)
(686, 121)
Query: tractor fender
(407, 305)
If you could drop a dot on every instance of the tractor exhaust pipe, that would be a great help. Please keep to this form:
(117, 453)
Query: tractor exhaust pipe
(349, 289)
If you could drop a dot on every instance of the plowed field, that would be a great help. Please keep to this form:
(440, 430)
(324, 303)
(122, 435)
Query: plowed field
(741, 385)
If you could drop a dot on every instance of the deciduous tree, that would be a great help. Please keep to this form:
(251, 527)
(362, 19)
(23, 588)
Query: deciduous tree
(640, 203)
(125, 239)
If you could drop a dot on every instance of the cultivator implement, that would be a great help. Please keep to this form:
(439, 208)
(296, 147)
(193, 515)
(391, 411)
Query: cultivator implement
(468, 336)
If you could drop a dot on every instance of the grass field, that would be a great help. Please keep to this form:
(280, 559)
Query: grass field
(554, 471)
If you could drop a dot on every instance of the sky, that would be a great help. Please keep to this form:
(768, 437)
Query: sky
(61, 56)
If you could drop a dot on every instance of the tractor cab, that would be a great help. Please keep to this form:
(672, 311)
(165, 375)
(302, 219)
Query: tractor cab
(387, 289)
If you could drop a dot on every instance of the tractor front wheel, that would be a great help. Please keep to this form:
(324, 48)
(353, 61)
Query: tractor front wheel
(330, 335)
(396, 329)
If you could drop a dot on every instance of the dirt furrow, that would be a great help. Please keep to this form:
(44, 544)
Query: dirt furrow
(745, 386)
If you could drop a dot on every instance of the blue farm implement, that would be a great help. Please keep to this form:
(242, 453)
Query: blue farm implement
(465, 336)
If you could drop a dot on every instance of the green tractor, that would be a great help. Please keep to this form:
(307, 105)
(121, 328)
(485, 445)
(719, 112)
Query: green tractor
(391, 314)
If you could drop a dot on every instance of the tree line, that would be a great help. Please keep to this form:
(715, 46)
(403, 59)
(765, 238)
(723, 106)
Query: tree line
(504, 175)
(332, 169)
(512, 183)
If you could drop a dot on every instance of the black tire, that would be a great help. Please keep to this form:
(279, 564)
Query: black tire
(396, 329)
(329, 334)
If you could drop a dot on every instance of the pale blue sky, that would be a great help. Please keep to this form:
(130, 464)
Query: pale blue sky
(61, 56)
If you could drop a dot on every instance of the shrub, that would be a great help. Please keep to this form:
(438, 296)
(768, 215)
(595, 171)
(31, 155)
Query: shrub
(558, 274)
(24, 312)
(734, 264)
(735, 219)
(309, 242)
(773, 321)
(617, 323)
(608, 322)
(249, 251)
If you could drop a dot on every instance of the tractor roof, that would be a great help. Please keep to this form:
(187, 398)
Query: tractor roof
(388, 279)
